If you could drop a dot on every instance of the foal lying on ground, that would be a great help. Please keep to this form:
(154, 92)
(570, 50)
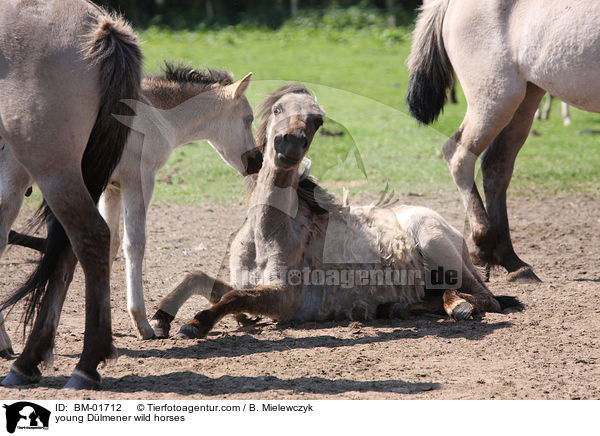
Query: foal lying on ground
(302, 256)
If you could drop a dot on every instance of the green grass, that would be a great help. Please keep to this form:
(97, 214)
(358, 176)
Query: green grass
(360, 79)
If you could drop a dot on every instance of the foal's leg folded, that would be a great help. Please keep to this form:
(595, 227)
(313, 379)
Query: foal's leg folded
(270, 302)
(196, 283)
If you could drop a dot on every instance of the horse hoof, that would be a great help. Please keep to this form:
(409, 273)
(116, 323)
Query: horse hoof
(17, 378)
(523, 275)
(245, 321)
(146, 336)
(509, 304)
(7, 354)
(188, 331)
(161, 329)
(161, 324)
(462, 311)
(80, 381)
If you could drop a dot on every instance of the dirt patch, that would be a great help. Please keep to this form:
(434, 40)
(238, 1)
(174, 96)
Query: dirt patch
(550, 350)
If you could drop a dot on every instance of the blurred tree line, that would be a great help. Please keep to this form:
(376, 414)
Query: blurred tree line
(267, 13)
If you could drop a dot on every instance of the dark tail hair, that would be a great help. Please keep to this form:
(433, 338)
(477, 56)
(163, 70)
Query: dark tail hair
(430, 71)
(112, 46)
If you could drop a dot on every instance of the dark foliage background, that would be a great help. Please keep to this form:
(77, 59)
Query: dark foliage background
(256, 13)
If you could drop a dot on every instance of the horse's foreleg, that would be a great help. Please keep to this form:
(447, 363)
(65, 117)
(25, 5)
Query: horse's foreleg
(14, 181)
(547, 108)
(40, 344)
(110, 209)
(196, 283)
(497, 167)
(564, 107)
(269, 302)
(137, 193)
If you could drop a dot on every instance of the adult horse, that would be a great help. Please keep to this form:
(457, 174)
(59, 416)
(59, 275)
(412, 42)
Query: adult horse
(506, 55)
(65, 66)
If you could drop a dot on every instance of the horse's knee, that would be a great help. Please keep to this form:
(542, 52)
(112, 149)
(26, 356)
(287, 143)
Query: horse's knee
(135, 247)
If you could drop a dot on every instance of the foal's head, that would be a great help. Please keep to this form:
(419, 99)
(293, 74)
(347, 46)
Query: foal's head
(215, 108)
(290, 118)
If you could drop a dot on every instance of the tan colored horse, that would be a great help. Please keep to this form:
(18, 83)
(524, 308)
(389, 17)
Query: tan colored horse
(302, 256)
(506, 55)
(65, 66)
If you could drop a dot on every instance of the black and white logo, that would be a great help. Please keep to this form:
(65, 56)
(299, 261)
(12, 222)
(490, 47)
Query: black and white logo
(26, 416)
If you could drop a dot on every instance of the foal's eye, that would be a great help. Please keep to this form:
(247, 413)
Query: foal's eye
(276, 110)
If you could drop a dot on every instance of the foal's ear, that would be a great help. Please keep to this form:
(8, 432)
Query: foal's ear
(241, 85)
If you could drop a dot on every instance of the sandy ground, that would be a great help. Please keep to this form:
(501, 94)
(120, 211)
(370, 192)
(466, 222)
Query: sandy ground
(551, 350)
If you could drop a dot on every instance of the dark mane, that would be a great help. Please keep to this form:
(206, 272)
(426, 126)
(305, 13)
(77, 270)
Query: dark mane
(264, 110)
(318, 200)
(186, 74)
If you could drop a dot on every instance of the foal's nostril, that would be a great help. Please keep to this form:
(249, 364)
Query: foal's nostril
(295, 140)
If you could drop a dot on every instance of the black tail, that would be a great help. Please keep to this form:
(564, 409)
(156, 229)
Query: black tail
(508, 302)
(113, 48)
(431, 74)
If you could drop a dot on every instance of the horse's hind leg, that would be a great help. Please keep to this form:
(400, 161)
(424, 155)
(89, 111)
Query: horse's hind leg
(481, 125)
(90, 239)
(436, 302)
(39, 346)
(497, 165)
(196, 283)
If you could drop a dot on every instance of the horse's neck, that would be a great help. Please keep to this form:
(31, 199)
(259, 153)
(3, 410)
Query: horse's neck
(189, 120)
(275, 213)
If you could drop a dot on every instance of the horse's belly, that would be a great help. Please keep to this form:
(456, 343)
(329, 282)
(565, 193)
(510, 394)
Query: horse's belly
(347, 300)
(559, 49)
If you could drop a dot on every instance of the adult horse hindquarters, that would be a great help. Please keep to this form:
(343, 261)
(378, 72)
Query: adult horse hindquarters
(60, 87)
(506, 55)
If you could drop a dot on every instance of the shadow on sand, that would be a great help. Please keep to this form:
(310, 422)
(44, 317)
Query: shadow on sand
(191, 383)
(246, 344)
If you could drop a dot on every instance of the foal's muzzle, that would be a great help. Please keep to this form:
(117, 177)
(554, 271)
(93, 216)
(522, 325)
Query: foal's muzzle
(290, 149)
(252, 161)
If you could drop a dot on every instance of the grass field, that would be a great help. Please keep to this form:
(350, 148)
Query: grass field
(360, 78)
